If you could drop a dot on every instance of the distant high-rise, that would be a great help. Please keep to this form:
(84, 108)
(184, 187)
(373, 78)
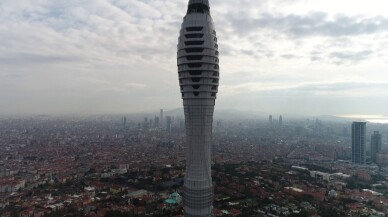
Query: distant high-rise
(280, 120)
(375, 145)
(161, 121)
(145, 124)
(125, 121)
(156, 121)
(345, 131)
(198, 78)
(270, 119)
(168, 123)
(358, 142)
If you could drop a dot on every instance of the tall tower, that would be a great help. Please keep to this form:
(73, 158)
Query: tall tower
(375, 145)
(198, 78)
(358, 142)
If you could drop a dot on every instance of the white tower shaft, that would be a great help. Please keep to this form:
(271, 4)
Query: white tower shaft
(198, 78)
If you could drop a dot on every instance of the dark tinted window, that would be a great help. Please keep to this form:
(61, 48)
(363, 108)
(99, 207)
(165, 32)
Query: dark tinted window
(194, 50)
(196, 80)
(194, 65)
(197, 57)
(194, 42)
(194, 35)
(194, 28)
(195, 72)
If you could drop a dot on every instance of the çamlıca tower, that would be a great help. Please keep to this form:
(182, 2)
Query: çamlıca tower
(198, 79)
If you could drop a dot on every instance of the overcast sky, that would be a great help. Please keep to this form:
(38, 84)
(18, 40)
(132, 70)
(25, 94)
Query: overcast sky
(112, 56)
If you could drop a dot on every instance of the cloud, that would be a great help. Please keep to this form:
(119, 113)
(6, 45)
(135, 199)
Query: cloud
(321, 89)
(312, 24)
(309, 98)
(30, 58)
(120, 55)
(340, 57)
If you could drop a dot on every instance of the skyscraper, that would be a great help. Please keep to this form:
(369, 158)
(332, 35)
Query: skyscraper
(280, 120)
(198, 78)
(168, 123)
(358, 142)
(156, 121)
(146, 124)
(270, 119)
(375, 145)
(161, 118)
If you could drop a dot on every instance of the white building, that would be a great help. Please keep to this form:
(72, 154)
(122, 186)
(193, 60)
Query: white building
(198, 78)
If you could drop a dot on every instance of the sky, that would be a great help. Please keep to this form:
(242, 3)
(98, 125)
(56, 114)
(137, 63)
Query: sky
(313, 57)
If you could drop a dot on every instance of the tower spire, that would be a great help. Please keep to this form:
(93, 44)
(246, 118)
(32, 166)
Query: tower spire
(204, 2)
(198, 6)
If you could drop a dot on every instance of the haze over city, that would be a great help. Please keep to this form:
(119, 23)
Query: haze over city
(193, 108)
(116, 56)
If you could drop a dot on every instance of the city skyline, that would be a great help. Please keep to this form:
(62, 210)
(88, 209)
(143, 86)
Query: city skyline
(98, 162)
(77, 57)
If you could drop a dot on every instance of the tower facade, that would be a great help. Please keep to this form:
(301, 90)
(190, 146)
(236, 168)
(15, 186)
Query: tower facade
(198, 71)
(375, 145)
(358, 142)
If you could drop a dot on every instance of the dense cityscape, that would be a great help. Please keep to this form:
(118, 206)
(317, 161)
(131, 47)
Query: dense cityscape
(119, 166)
(81, 134)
